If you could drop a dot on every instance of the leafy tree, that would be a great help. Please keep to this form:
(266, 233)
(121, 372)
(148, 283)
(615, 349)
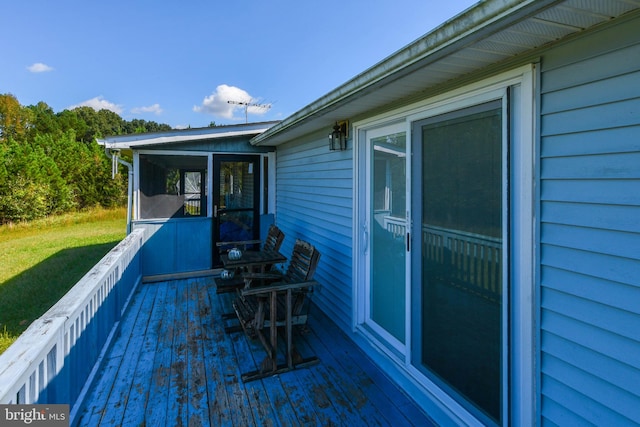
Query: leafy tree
(157, 127)
(14, 119)
(99, 123)
(110, 123)
(142, 126)
(50, 163)
(71, 120)
(42, 119)
(32, 185)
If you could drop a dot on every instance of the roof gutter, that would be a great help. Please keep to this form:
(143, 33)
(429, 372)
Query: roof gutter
(484, 18)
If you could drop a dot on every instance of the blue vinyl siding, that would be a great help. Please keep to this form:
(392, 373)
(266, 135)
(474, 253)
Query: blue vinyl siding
(176, 245)
(590, 229)
(314, 203)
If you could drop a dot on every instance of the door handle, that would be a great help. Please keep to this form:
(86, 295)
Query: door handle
(365, 238)
(215, 211)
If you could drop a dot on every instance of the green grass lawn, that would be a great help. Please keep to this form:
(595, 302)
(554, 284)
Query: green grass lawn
(41, 260)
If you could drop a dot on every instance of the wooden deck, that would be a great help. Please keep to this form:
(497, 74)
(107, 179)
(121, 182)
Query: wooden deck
(172, 364)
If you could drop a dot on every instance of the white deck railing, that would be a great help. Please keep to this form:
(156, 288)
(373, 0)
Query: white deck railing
(472, 261)
(53, 359)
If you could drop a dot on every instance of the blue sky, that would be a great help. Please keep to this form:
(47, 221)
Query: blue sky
(180, 62)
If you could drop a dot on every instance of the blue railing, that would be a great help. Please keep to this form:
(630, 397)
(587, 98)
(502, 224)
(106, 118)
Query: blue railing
(54, 360)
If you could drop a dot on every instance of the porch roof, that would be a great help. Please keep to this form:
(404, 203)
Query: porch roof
(490, 33)
(185, 135)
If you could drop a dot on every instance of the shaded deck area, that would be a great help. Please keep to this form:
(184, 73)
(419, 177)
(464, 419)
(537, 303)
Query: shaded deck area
(173, 364)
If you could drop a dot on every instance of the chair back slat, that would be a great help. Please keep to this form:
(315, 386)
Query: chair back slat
(274, 239)
(303, 263)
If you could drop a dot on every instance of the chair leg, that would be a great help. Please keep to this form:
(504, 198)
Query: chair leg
(273, 329)
(294, 359)
(289, 329)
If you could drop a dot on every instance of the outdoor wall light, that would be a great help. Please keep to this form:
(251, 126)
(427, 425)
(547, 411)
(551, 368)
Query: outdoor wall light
(338, 138)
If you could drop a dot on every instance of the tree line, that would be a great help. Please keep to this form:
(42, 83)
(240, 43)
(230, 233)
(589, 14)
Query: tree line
(50, 163)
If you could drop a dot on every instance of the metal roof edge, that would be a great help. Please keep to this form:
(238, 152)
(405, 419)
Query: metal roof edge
(468, 26)
(184, 135)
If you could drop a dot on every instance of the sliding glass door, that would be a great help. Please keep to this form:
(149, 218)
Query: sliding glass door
(460, 204)
(387, 233)
(444, 254)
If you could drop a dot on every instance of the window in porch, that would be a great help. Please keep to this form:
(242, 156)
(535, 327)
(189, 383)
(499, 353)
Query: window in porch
(172, 186)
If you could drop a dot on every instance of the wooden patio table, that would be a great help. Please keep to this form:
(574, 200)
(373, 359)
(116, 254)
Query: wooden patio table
(252, 262)
(252, 259)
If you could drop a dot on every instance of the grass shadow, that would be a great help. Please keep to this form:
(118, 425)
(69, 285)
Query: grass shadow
(27, 296)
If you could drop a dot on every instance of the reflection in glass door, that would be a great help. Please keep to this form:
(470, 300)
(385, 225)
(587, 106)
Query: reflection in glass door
(236, 199)
(386, 206)
(193, 185)
(460, 172)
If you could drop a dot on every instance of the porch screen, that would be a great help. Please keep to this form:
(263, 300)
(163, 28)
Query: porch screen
(172, 186)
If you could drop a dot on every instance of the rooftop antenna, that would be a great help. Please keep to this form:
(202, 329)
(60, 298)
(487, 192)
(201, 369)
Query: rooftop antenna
(247, 105)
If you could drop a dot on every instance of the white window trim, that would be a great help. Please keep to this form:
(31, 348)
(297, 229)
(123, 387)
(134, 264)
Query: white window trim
(210, 186)
(270, 156)
(271, 179)
(523, 253)
(136, 186)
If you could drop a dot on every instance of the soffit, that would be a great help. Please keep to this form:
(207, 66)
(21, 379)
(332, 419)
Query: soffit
(488, 33)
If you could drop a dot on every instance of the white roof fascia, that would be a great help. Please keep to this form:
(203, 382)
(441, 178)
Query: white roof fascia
(186, 135)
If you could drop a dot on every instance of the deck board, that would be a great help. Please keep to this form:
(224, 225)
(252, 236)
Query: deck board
(173, 364)
(144, 373)
(157, 399)
(125, 379)
(360, 386)
(139, 392)
(237, 399)
(178, 383)
(104, 384)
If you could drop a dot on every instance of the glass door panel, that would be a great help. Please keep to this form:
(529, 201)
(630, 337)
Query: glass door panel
(236, 199)
(387, 246)
(462, 207)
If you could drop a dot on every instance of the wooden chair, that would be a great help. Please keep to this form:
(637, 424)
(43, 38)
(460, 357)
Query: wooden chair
(272, 243)
(281, 304)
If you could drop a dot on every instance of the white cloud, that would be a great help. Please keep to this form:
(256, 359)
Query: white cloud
(99, 103)
(39, 67)
(217, 103)
(155, 109)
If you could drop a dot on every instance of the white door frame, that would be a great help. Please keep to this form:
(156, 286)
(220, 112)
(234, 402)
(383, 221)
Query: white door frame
(523, 230)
